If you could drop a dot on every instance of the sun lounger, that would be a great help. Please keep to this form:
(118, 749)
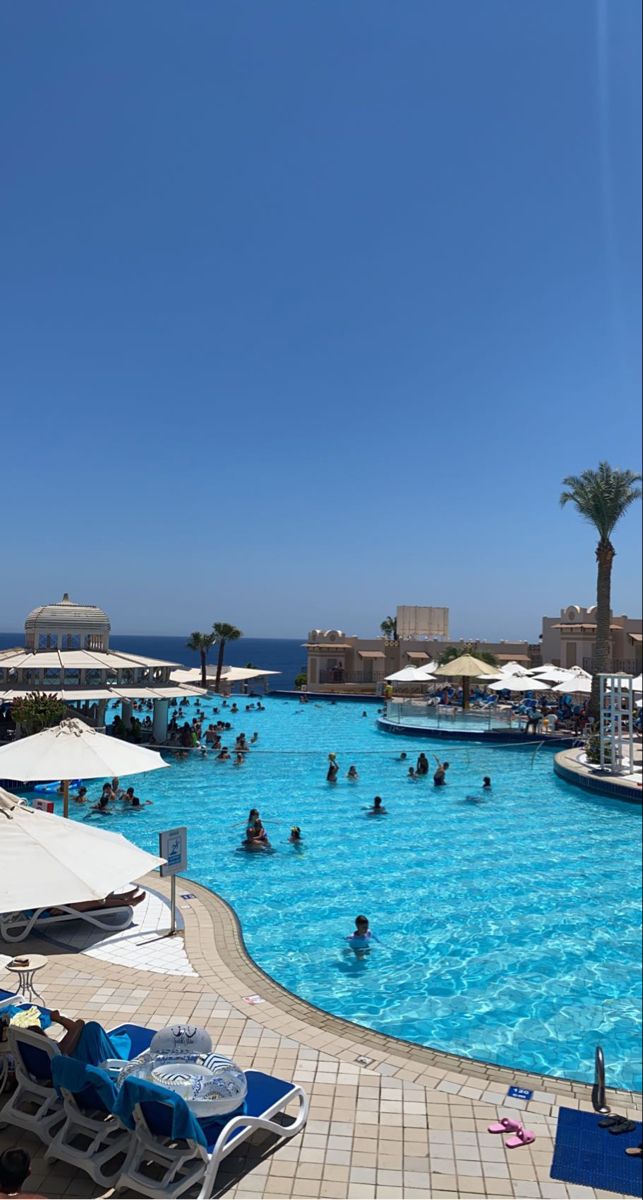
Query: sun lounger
(16, 926)
(90, 1137)
(171, 1151)
(35, 1105)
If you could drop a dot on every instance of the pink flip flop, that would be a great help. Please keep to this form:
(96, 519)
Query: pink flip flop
(504, 1125)
(523, 1137)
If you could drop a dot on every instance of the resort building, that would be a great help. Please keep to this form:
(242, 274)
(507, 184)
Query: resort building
(568, 640)
(67, 654)
(341, 663)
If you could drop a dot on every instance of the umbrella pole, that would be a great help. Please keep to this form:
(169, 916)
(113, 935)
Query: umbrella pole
(65, 797)
(465, 692)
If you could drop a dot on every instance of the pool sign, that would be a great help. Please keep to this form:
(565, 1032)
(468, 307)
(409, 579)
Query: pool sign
(520, 1093)
(173, 846)
(44, 805)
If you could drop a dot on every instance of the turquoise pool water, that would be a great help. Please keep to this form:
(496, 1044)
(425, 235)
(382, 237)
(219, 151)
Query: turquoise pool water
(509, 927)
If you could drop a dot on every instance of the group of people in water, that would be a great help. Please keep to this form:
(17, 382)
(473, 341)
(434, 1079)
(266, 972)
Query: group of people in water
(256, 837)
(111, 793)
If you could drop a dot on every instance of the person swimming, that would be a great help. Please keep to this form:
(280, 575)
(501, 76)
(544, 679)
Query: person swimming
(256, 837)
(486, 784)
(295, 836)
(377, 808)
(439, 777)
(333, 769)
(361, 937)
(412, 774)
(352, 773)
(422, 764)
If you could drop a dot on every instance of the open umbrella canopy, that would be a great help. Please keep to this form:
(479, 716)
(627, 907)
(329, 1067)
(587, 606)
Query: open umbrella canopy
(519, 683)
(72, 750)
(553, 675)
(466, 667)
(575, 685)
(513, 668)
(406, 675)
(46, 860)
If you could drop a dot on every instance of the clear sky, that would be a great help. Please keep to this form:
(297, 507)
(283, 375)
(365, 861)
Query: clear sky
(307, 306)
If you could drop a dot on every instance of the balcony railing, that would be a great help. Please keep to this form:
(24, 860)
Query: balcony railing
(339, 676)
(628, 665)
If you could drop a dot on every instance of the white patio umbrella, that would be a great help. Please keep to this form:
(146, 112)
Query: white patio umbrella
(45, 860)
(513, 668)
(519, 683)
(426, 670)
(72, 750)
(554, 675)
(543, 668)
(409, 675)
(575, 685)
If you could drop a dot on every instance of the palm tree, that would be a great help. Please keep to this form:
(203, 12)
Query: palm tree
(223, 633)
(602, 497)
(200, 643)
(389, 628)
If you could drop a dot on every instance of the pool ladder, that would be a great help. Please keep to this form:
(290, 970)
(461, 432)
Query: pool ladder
(598, 1090)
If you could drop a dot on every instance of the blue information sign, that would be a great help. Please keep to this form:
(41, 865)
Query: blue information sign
(520, 1093)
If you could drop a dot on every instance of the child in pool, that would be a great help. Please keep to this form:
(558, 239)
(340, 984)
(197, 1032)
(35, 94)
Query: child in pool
(362, 936)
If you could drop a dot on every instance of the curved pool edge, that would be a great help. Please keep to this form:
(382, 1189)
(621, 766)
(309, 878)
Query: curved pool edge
(568, 767)
(290, 1015)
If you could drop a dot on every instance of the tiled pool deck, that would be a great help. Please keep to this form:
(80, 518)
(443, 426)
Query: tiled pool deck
(387, 1119)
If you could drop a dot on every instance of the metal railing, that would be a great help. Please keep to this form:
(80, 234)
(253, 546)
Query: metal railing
(598, 1090)
(441, 716)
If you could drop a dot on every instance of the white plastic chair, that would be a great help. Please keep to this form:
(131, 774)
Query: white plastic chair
(160, 1167)
(91, 1137)
(35, 1104)
(16, 926)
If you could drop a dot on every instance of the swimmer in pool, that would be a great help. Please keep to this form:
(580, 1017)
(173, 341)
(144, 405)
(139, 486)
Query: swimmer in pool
(333, 769)
(256, 836)
(439, 777)
(486, 784)
(377, 809)
(352, 773)
(412, 774)
(361, 937)
(422, 764)
(295, 836)
(402, 757)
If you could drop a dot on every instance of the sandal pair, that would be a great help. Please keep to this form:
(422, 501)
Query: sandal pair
(616, 1124)
(520, 1135)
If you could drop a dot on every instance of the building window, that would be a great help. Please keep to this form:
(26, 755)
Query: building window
(47, 641)
(70, 641)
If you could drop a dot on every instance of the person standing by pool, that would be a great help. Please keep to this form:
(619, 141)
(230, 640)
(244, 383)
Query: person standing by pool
(439, 777)
(333, 769)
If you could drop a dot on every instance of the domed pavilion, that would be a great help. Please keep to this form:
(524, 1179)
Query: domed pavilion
(67, 654)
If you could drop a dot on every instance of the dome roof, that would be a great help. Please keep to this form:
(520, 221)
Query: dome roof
(66, 613)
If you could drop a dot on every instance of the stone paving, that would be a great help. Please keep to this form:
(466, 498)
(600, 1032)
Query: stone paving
(387, 1119)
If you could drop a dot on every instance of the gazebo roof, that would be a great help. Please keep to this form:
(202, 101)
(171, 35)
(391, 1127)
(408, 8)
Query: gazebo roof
(66, 612)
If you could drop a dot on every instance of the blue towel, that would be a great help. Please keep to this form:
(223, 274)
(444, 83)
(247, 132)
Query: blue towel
(95, 1046)
(167, 1114)
(92, 1087)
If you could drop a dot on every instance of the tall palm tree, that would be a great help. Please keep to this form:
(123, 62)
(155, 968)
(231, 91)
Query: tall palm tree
(389, 628)
(223, 633)
(200, 643)
(602, 497)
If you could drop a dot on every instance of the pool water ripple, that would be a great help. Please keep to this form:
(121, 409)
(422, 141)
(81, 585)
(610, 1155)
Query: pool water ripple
(509, 925)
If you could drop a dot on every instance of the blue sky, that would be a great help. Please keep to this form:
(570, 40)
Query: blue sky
(307, 307)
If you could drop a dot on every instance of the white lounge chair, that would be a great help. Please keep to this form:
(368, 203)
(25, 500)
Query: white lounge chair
(16, 926)
(90, 1137)
(162, 1165)
(35, 1104)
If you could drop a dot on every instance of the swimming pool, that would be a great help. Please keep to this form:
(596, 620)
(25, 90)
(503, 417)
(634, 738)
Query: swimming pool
(509, 923)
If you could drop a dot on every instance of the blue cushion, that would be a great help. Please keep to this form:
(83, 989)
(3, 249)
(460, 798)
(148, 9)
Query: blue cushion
(263, 1092)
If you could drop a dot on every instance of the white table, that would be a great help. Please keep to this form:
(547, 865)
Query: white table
(26, 972)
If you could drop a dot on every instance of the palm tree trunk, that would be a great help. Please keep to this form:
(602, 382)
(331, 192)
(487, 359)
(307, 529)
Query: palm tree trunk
(603, 644)
(219, 664)
(203, 678)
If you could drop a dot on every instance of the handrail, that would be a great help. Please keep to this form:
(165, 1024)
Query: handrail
(598, 1090)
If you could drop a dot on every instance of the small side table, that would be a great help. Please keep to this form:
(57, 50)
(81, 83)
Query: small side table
(26, 972)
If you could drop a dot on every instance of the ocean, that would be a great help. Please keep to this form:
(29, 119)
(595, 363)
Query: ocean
(286, 655)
